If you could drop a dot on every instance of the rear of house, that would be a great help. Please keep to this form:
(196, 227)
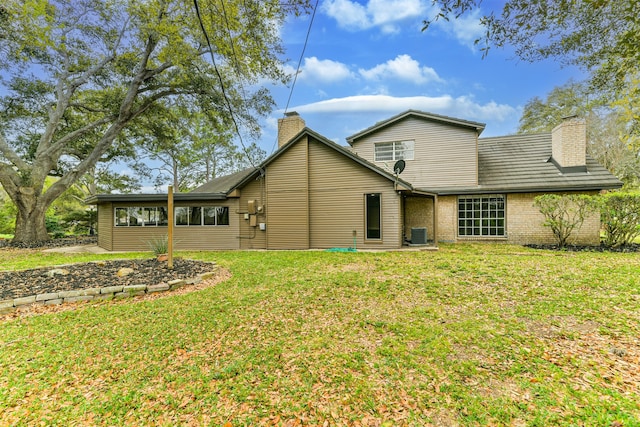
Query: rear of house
(312, 193)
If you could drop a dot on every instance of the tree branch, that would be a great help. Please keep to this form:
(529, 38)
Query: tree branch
(11, 155)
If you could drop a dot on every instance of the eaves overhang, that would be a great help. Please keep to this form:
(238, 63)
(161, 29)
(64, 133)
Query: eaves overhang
(519, 190)
(156, 197)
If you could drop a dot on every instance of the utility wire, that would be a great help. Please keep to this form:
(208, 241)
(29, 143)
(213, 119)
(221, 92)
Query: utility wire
(222, 87)
(295, 77)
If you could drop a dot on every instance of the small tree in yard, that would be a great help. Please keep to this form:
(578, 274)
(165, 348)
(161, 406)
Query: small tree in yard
(564, 213)
(620, 216)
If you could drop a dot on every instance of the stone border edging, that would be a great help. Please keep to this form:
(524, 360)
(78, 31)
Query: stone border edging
(93, 294)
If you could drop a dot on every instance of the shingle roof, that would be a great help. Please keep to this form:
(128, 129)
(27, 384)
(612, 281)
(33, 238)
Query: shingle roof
(479, 127)
(224, 184)
(520, 163)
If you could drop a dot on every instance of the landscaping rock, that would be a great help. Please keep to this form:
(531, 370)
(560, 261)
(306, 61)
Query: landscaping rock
(57, 272)
(125, 272)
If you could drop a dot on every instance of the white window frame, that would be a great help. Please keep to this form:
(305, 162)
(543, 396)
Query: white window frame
(482, 216)
(400, 150)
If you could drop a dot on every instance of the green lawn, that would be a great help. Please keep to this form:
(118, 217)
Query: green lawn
(470, 335)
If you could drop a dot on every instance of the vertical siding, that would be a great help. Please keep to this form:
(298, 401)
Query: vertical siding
(337, 188)
(287, 199)
(252, 237)
(444, 155)
(191, 238)
(105, 226)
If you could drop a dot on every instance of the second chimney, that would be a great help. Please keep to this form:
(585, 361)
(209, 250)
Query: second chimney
(288, 127)
(569, 145)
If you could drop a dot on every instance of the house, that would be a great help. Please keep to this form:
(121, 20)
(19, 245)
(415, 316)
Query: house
(414, 178)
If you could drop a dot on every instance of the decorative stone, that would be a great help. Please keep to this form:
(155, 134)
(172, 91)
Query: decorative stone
(24, 301)
(47, 297)
(207, 275)
(134, 288)
(175, 284)
(111, 289)
(6, 303)
(125, 271)
(79, 292)
(193, 281)
(104, 296)
(158, 288)
(56, 301)
(57, 272)
(127, 294)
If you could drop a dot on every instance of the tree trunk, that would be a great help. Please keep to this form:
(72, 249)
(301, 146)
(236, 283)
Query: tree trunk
(30, 221)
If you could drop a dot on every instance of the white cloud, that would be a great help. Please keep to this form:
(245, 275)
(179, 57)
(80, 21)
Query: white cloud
(463, 107)
(324, 71)
(384, 14)
(403, 67)
(465, 29)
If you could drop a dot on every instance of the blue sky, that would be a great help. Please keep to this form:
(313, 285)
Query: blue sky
(368, 60)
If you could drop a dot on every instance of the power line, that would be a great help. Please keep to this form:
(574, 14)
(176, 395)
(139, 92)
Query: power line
(295, 77)
(222, 87)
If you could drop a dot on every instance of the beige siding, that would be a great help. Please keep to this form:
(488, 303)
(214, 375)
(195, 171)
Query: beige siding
(192, 238)
(444, 155)
(105, 226)
(337, 189)
(287, 200)
(252, 237)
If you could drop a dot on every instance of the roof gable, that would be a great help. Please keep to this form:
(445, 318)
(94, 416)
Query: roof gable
(479, 127)
(328, 143)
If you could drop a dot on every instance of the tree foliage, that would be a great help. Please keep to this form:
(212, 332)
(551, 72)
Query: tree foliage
(608, 139)
(620, 217)
(600, 36)
(187, 148)
(564, 213)
(78, 75)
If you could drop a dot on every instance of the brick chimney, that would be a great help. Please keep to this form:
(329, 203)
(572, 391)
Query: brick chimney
(569, 145)
(288, 127)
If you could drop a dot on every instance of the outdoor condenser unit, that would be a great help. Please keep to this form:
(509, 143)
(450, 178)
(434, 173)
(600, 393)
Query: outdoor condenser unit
(419, 236)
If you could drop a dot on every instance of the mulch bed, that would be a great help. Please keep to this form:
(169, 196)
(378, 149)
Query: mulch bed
(16, 284)
(634, 247)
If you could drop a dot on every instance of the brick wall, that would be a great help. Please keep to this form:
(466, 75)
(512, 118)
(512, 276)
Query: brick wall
(524, 223)
(288, 127)
(418, 212)
(569, 142)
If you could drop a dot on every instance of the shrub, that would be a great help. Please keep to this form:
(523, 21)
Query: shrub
(564, 213)
(159, 245)
(620, 217)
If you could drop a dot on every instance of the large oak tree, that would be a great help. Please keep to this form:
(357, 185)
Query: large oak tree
(76, 75)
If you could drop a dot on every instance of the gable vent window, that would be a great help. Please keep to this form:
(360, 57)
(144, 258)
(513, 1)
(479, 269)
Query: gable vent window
(390, 151)
(481, 216)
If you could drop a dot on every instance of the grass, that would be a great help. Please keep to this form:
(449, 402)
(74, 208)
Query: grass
(470, 335)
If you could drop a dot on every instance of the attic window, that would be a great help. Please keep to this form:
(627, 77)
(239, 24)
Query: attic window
(397, 150)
